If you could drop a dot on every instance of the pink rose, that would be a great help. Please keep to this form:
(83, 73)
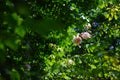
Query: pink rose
(77, 40)
(85, 35)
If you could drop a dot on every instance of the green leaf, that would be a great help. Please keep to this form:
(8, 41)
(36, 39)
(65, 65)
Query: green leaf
(12, 42)
(1, 45)
(15, 16)
(14, 75)
(92, 66)
(20, 31)
(116, 17)
(110, 18)
(107, 15)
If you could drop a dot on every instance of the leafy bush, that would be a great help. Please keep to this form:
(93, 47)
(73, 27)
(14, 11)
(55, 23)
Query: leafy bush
(59, 40)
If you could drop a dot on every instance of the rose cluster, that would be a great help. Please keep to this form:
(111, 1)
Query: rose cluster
(84, 35)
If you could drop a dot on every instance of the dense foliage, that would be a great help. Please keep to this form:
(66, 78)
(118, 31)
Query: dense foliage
(59, 39)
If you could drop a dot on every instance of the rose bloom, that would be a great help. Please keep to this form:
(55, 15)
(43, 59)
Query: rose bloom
(87, 26)
(69, 62)
(77, 40)
(85, 35)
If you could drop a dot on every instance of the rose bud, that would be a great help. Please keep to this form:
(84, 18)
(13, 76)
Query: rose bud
(85, 35)
(69, 62)
(87, 26)
(27, 67)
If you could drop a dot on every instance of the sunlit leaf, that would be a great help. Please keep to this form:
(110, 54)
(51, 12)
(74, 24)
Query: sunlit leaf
(116, 17)
(20, 31)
